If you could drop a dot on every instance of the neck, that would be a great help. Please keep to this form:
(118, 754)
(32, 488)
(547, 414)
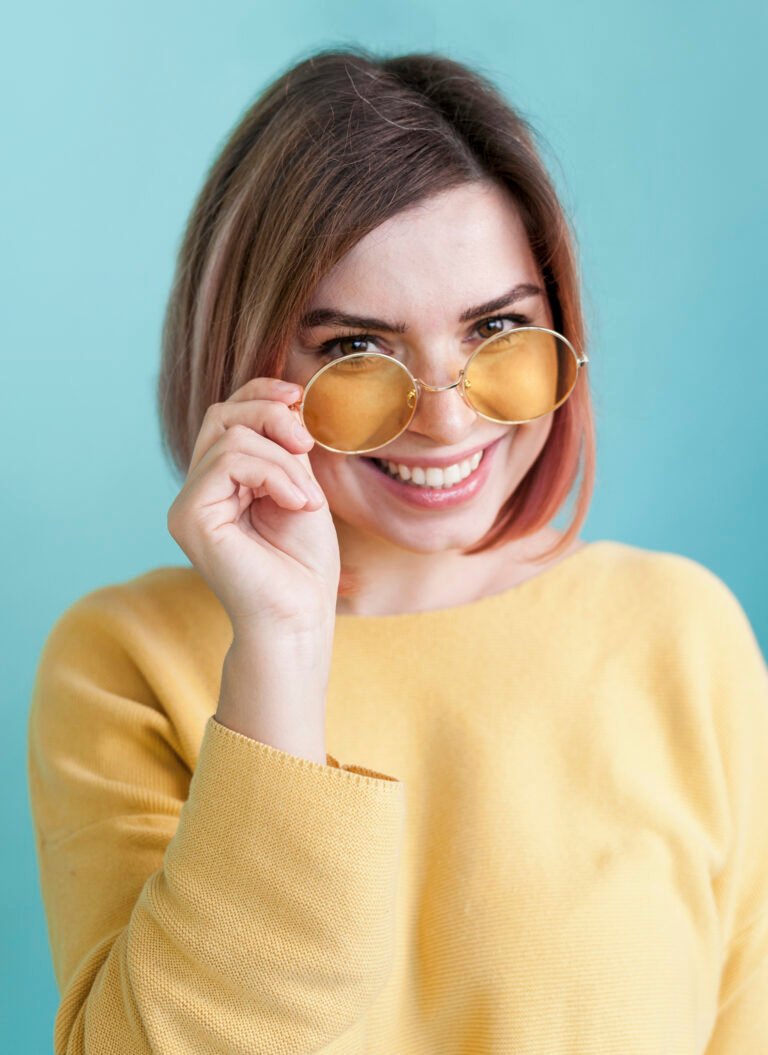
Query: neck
(391, 580)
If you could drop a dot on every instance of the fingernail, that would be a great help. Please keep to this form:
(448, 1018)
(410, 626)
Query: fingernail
(301, 433)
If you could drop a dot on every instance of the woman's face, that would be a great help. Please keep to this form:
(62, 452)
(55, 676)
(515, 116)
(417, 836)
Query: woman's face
(424, 269)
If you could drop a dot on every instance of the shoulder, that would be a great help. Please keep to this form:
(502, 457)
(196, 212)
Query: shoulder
(147, 651)
(142, 613)
(689, 605)
(661, 577)
(158, 588)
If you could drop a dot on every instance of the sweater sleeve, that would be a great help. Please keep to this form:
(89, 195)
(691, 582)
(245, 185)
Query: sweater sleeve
(739, 691)
(245, 906)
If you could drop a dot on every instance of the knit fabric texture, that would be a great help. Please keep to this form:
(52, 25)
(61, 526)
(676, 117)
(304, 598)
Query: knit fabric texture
(543, 829)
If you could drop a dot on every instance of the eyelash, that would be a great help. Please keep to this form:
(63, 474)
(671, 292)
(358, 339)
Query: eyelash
(326, 348)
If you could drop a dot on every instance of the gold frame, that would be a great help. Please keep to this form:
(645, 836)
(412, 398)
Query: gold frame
(418, 385)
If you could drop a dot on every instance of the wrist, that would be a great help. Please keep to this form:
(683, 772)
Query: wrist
(303, 648)
(275, 691)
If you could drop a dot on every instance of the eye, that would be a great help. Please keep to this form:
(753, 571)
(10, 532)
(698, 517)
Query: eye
(339, 347)
(521, 320)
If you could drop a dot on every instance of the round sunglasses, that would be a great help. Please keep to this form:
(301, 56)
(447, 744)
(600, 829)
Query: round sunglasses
(362, 401)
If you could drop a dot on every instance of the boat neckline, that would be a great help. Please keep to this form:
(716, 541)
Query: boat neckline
(532, 584)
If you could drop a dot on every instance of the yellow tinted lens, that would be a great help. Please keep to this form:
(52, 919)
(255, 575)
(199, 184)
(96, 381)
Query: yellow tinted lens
(359, 403)
(520, 375)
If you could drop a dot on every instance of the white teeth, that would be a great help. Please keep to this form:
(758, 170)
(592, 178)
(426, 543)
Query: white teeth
(430, 476)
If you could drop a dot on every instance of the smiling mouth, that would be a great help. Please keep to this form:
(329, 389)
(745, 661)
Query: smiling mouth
(431, 488)
(433, 479)
(430, 476)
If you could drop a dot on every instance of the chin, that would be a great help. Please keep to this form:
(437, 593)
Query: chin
(420, 535)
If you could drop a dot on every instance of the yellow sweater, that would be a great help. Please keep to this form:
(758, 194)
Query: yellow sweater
(549, 835)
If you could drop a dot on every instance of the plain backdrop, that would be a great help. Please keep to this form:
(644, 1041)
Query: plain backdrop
(653, 116)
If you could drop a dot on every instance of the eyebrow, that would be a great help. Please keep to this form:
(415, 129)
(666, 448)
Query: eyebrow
(333, 317)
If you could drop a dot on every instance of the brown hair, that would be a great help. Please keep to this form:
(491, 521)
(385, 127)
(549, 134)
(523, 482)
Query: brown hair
(336, 145)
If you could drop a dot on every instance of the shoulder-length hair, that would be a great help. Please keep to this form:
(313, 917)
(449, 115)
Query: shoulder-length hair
(336, 145)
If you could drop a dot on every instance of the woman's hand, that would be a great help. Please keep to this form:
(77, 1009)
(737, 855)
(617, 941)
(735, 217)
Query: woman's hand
(249, 520)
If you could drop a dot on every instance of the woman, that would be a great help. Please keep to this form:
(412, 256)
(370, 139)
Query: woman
(548, 835)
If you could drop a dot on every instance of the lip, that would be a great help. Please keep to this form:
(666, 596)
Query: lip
(436, 497)
(442, 461)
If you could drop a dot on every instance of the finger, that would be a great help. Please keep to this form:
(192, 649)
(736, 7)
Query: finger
(266, 388)
(244, 440)
(271, 417)
(232, 468)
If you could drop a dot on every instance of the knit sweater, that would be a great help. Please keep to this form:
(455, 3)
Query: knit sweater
(542, 829)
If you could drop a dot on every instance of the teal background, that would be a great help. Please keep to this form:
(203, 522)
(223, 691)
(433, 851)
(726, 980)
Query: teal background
(654, 116)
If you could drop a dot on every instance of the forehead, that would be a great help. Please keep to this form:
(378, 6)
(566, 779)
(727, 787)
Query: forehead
(464, 244)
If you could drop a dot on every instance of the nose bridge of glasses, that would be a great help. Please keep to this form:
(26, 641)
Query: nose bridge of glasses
(438, 388)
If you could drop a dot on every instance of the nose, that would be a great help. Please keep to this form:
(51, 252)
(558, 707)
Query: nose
(443, 416)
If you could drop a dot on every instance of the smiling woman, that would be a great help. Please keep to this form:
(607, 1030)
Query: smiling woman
(449, 233)
(552, 837)
(445, 373)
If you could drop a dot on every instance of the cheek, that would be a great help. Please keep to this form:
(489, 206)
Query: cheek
(327, 466)
(336, 474)
(525, 446)
(532, 437)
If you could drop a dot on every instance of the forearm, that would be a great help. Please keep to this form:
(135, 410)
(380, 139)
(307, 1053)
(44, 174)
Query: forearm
(274, 691)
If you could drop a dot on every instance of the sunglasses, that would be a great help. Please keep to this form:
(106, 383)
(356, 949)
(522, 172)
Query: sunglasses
(362, 401)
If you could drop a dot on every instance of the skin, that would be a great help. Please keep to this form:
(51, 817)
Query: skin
(424, 267)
